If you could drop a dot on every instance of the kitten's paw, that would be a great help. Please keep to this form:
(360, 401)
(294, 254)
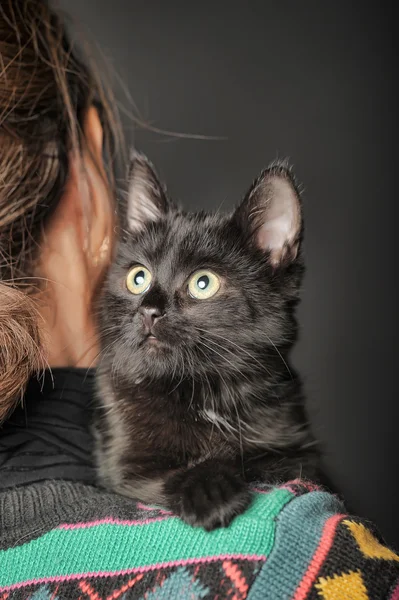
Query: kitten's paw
(208, 495)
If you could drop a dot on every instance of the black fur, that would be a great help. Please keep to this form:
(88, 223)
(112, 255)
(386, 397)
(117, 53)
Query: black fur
(189, 421)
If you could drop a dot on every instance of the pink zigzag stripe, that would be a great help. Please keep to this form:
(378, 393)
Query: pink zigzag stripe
(165, 514)
(172, 563)
(395, 593)
(258, 491)
(311, 487)
(112, 521)
(142, 506)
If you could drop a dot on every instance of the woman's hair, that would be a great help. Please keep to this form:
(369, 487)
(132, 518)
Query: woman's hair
(45, 89)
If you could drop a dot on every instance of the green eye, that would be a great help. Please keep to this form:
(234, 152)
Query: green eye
(203, 285)
(138, 280)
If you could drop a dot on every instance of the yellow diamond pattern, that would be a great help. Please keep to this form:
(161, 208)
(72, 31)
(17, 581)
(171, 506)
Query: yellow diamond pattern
(348, 586)
(368, 544)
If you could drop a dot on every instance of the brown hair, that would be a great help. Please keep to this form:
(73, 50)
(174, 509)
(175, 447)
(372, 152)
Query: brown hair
(45, 88)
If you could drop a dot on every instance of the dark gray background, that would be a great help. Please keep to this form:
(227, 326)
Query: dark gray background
(312, 81)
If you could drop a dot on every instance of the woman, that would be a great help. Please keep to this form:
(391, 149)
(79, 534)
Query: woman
(60, 536)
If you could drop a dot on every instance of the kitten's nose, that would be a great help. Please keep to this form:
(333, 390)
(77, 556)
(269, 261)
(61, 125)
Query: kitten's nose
(150, 316)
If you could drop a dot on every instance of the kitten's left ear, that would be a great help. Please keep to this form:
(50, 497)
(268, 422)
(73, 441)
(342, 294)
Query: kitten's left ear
(147, 200)
(271, 214)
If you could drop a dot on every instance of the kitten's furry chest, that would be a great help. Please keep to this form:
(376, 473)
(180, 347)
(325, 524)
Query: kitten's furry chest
(167, 426)
(155, 430)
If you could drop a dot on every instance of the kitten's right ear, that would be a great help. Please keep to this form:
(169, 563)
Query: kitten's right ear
(147, 200)
(271, 214)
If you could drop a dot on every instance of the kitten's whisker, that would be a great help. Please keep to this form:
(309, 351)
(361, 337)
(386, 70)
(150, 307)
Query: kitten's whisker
(235, 368)
(280, 355)
(174, 369)
(192, 395)
(212, 399)
(212, 333)
(179, 382)
(225, 426)
(102, 352)
(239, 426)
(96, 341)
(191, 363)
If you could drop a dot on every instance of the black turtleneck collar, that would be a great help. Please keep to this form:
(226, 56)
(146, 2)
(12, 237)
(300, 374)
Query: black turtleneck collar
(48, 436)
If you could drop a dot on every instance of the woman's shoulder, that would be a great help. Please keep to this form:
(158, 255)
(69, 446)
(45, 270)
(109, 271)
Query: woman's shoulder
(294, 541)
(48, 434)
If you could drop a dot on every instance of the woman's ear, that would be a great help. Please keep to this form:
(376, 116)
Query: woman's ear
(98, 211)
(76, 250)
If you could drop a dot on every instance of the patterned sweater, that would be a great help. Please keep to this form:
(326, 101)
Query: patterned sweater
(68, 540)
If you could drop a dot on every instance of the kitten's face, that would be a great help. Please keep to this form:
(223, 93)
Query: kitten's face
(195, 295)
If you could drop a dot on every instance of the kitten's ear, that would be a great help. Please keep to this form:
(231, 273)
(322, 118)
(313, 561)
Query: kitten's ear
(147, 200)
(271, 214)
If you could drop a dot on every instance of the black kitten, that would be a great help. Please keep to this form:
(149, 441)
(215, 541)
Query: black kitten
(197, 319)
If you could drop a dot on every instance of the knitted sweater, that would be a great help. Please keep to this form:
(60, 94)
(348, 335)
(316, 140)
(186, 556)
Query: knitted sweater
(67, 540)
